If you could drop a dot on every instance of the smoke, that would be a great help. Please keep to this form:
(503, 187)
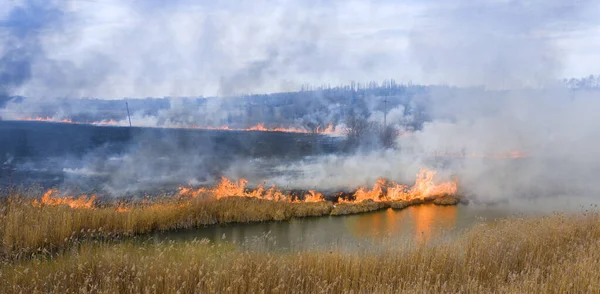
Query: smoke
(499, 44)
(508, 45)
(509, 50)
(112, 49)
(504, 56)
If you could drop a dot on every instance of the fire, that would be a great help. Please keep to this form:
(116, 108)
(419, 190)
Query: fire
(123, 208)
(80, 202)
(424, 187)
(313, 196)
(329, 130)
(228, 188)
(383, 190)
(48, 119)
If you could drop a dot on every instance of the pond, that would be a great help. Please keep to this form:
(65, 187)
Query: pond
(379, 229)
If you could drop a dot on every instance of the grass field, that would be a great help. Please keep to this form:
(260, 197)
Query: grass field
(552, 254)
(29, 228)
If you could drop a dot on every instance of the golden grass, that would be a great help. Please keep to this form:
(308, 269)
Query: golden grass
(447, 200)
(360, 207)
(553, 254)
(26, 229)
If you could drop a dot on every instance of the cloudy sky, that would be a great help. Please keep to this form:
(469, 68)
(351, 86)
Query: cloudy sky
(134, 48)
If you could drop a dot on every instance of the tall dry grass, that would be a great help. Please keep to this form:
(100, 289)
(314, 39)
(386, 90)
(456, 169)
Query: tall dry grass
(553, 254)
(27, 229)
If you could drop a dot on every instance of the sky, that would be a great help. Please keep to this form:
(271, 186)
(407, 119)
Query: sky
(112, 49)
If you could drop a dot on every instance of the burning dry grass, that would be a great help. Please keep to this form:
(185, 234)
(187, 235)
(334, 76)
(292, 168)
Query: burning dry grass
(554, 254)
(53, 223)
(29, 228)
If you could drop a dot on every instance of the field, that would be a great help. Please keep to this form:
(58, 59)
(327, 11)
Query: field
(40, 153)
(30, 228)
(79, 245)
(557, 253)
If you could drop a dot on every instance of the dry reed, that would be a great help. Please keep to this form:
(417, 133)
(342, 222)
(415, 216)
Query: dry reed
(552, 254)
(27, 229)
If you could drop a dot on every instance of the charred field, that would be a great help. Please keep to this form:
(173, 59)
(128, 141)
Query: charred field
(49, 154)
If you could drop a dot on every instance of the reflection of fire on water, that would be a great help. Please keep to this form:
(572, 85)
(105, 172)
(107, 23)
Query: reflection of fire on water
(421, 222)
(428, 218)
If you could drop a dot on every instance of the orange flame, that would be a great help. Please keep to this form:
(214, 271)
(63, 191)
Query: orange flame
(123, 208)
(80, 202)
(424, 187)
(313, 196)
(48, 119)
(383, 190)
(228, 188)
(329, 130)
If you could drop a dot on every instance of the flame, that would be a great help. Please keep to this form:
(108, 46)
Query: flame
(424, 187)
(48, 119)
(80, 202)
(123, 208)
(313, 196)
(228, 188)
(382, 190)
(329, 130)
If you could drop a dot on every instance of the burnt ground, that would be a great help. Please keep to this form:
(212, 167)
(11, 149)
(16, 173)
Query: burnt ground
(55, 154)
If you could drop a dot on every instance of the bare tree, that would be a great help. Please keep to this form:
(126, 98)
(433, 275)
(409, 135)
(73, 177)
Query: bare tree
(357, 128)
(387, 136)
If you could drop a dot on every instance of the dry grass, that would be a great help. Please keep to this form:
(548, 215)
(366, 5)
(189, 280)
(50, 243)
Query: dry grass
(447, 200)
(354, 208)
(554, 254)
(26, 229)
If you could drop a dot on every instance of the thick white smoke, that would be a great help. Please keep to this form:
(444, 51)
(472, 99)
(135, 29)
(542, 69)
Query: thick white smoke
(509, 50)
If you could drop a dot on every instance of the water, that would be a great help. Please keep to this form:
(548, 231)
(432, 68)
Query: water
(380, 229)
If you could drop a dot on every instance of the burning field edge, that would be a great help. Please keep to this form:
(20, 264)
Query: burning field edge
(29, 228)
(53, 222)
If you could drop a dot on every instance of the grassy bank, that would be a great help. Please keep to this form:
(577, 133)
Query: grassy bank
(542, 255)
(27, 229)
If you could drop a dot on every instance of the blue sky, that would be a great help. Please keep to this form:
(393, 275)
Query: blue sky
(118, 48)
